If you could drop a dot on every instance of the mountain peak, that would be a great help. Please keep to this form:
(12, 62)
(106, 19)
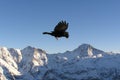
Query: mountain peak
(29, 47)
(32, 57)
(34, 64)
(85, 46)
(85, 50)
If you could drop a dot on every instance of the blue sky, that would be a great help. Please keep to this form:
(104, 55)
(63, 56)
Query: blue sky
(95, 22)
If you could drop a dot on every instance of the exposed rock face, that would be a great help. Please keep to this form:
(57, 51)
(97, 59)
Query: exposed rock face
(83, 63)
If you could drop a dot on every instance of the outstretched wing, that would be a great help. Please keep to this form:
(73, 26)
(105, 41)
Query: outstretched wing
(61, 26)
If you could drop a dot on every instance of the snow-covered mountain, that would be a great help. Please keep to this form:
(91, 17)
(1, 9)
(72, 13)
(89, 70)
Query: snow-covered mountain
(83, 63)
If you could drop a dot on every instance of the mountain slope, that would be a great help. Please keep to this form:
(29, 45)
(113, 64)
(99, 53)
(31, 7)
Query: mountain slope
(83, 63)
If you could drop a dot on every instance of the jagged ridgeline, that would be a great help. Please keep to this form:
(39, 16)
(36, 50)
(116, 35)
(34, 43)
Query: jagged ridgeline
(83, 63)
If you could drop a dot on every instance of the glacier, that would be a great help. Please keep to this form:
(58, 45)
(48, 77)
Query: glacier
(83, 63)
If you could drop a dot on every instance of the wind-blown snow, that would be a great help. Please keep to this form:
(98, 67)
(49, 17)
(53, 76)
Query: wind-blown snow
(83, 63)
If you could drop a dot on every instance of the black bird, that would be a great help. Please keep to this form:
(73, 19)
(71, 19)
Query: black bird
(59, 30)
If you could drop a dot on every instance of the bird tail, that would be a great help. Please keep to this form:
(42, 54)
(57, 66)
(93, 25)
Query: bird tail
(46, 33)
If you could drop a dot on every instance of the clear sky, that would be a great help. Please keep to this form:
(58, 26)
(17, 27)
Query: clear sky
(95, 22)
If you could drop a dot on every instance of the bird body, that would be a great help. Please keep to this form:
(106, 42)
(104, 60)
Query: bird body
(59, 30)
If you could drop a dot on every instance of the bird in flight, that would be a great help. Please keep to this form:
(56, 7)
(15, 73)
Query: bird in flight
(59, 30)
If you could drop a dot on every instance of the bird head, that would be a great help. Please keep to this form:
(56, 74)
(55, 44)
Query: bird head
(66, 34)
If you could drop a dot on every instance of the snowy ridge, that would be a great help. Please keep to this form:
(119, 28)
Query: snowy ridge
(83, 63)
